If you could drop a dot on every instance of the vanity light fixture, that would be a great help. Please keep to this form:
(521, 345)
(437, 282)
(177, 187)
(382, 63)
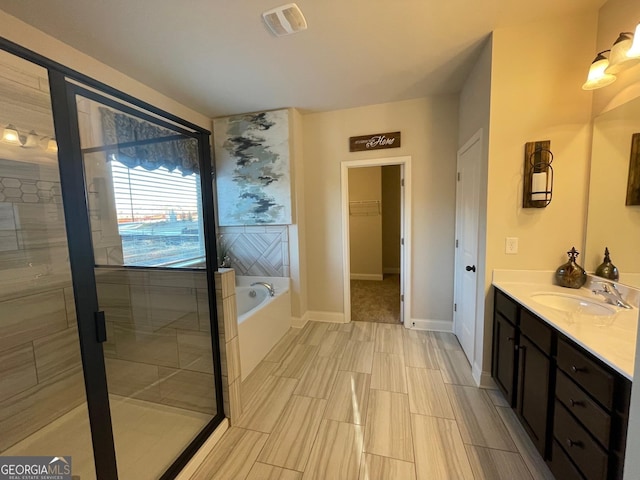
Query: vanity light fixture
(12, 136)
(634, 50)
(597, 76)
(618, 58)
(538, 178)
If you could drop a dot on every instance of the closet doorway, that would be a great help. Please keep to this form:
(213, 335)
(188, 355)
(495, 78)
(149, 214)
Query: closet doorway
(376, 247)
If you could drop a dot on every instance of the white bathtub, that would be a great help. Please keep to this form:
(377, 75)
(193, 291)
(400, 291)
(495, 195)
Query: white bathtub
(262, 320)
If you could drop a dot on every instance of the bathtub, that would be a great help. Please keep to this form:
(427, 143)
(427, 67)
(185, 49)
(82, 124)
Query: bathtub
(262, 320)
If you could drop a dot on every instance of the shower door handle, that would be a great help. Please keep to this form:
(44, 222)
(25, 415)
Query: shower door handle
(101, 327)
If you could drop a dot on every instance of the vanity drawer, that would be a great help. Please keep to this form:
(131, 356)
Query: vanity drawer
(507, 307)
(590, 458)
(586, 372)
(592, 416)
(561, 466)
(537, 331)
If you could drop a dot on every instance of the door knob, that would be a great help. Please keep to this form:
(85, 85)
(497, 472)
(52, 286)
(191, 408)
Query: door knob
(470, 268)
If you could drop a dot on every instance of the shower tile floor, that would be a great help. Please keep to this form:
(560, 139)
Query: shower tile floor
(145, 434)
(368, 401)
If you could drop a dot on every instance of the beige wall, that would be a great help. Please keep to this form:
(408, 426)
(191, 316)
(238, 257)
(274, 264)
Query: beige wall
(537, 71)
(365, 228)
(475, 99)
(428, 127)
(38, 41)
(391, 222)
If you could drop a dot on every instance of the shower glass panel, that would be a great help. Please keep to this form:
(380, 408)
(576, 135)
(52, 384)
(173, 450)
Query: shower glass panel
(144, 201)
(43, 408)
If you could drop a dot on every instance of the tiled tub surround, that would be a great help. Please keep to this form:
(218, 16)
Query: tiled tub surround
(612, 339)
(250, 340)
(158, 345)
(257, 251)
(261, 328)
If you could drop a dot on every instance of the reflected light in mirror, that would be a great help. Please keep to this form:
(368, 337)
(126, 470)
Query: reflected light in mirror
(10, 135)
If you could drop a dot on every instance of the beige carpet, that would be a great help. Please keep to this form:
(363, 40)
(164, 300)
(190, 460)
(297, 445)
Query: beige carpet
(375, 301)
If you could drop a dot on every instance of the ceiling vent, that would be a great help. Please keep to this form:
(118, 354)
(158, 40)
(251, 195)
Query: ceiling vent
(285, 20)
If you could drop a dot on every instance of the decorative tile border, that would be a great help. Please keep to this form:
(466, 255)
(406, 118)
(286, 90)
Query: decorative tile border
(257, 251)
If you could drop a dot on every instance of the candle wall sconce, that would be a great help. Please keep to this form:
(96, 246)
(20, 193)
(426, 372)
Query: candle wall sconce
(538, 174)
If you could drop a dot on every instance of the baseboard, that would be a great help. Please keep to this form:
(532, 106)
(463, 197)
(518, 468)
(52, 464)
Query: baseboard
(482, 379)
(391, 270)
(300, 322)
(328, 317)
(190, 469)
(431, 325)
(367, 276)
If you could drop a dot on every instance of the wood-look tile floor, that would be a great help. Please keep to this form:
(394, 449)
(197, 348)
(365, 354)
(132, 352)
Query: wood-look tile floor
(370, 401)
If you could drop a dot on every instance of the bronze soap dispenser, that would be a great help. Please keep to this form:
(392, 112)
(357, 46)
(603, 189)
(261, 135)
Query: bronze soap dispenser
(571, 275)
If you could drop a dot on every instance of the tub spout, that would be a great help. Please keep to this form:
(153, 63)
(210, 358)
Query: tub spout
(266, 285)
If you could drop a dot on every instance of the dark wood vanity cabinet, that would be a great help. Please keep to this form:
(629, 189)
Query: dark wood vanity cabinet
(504, 357)
(573, 406)
(534, 379)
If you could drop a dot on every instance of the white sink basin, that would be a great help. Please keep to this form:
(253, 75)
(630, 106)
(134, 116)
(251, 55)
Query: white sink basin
(572, 303)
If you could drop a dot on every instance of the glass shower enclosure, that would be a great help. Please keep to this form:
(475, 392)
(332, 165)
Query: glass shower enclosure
(108, 335)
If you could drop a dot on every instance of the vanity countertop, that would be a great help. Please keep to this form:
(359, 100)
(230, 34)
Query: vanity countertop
(610, 338)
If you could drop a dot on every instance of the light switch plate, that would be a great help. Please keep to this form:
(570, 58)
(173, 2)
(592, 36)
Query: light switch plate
(511, 245)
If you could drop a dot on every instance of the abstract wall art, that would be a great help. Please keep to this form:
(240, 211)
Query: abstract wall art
(252, 169)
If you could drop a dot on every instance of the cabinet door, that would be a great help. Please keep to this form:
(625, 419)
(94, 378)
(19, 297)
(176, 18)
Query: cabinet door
(533, 393)
(504, 368)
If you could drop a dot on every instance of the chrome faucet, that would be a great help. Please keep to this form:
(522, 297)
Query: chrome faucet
(266, 285)
(611, 294)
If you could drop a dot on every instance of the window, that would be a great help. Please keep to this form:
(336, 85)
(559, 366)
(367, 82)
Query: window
(159, 216)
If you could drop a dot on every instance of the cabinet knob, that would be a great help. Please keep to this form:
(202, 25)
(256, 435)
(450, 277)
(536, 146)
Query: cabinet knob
(575, 369)
(509, 339)
(470, 268)
(572, 443)
(575, 403)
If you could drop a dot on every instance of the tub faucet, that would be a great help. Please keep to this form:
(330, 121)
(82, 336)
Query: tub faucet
(611, 294)
(266, 285)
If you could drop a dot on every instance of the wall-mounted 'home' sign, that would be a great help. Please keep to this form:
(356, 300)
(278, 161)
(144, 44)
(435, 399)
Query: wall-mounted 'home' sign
(374, 142)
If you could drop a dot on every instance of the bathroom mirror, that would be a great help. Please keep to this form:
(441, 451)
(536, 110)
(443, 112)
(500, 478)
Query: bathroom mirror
(611, 223)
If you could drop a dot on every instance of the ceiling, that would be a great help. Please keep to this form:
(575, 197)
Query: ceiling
(217, 57)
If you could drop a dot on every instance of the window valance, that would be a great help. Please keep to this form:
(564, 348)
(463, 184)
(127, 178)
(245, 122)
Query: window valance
(156, 147)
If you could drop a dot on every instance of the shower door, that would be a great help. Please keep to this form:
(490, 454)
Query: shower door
(152, 275)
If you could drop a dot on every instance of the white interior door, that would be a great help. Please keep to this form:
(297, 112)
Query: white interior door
(467, 200)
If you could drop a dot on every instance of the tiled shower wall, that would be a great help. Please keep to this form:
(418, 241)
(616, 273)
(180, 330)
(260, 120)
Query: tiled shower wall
(158, 345)
(40, 368)
(257, 251)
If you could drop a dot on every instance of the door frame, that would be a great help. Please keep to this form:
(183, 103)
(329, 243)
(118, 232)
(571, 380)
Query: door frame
(457, 290)
(405, 230)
